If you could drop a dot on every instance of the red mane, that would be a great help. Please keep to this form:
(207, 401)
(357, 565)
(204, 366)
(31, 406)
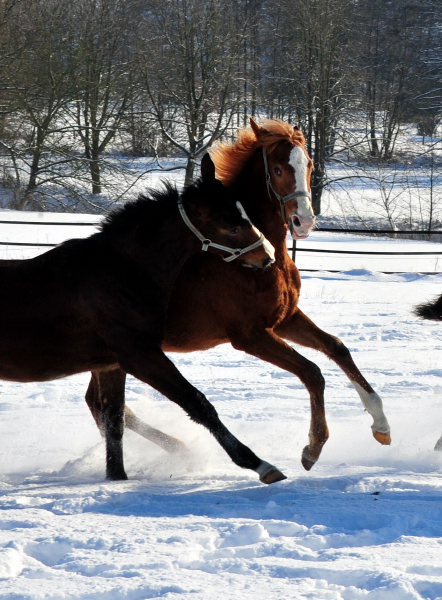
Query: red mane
(230, 159)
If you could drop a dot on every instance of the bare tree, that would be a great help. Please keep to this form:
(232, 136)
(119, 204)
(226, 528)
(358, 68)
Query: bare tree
(389, 41)
(37, 88)
(102, 65)
(316, 54)
(187, 57)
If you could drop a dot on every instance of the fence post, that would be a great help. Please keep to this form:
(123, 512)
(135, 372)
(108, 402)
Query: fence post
(294, 251)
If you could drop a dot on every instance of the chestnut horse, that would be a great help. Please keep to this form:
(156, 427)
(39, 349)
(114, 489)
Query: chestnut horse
(270, 170)
(99, 303)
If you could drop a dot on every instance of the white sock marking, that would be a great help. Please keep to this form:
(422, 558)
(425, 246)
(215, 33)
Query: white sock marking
(373, 405)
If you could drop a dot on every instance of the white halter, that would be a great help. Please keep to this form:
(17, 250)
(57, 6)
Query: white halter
(206, 242)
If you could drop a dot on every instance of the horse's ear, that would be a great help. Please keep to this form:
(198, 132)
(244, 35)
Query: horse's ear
(296, 128)
(207, 167)
(257, 129)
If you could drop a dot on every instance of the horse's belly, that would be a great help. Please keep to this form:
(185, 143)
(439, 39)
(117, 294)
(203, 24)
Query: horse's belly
(33, 356)
(191, 343)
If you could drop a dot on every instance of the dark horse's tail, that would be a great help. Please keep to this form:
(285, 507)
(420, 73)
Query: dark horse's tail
(430, 310)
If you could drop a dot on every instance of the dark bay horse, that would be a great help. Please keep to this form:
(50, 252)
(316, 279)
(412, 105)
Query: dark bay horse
(270, 170)
(98, 304)
(431, 311)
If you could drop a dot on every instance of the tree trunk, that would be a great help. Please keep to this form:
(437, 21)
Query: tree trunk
(190, 169)
(22, 202)
(317, 185)
(95, 174)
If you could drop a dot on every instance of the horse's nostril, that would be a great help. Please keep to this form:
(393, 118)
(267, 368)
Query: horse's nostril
(268, 261)
(296, 222)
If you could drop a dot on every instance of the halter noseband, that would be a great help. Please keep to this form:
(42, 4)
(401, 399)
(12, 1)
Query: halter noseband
(206, 242)
(282, 199)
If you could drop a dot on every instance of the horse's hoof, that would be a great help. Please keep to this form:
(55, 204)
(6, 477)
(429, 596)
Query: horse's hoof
(307, 463)
(272, 476)
(382, 438)
(306, 459)
(438, 446)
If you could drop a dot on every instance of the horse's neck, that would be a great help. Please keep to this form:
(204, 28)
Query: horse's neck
(171, 249)
(160, 254)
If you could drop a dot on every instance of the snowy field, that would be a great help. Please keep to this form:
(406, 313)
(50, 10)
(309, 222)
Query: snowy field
(364, 524)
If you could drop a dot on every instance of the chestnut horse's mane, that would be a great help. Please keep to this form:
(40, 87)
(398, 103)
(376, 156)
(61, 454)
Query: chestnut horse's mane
(230, 159)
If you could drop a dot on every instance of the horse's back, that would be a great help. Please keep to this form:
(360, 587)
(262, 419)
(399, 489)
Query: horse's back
(45, 329)
(37, 284)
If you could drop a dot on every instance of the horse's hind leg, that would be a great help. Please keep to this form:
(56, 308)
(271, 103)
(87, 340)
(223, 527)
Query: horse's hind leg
(267, 346)
(149, 364)
(106, 389)
(301, 330)
(166, 442)
(105, 398)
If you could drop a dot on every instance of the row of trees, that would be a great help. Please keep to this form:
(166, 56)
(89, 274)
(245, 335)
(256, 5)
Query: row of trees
(82, 78)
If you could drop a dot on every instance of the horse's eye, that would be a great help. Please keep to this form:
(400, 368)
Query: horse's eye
(277, 171)
(234, 231)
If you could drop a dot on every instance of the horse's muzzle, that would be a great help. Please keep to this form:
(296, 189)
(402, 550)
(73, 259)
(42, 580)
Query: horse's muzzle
(301, 227)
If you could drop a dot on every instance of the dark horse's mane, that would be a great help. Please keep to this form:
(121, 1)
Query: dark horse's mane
(147, 211)
(153, 207)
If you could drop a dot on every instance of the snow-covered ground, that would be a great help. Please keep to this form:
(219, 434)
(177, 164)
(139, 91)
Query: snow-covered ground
(364, 524)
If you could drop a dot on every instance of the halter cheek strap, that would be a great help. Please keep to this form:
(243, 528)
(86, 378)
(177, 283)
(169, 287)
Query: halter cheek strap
(282, 199)
(234, 252)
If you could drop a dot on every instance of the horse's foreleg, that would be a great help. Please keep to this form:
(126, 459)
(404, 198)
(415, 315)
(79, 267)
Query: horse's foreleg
(105, 398)
(149, 364)
(301, 330)
(269, 347)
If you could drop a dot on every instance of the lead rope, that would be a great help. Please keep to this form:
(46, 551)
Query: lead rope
(207, 243)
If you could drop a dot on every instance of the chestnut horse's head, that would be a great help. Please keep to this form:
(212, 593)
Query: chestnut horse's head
(287, 169)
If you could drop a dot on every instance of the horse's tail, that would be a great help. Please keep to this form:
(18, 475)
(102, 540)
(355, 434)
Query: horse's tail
(430, 310)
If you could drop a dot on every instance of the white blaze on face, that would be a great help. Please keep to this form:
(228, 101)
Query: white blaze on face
(268, 248)
(299, 162)
(240, 207)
